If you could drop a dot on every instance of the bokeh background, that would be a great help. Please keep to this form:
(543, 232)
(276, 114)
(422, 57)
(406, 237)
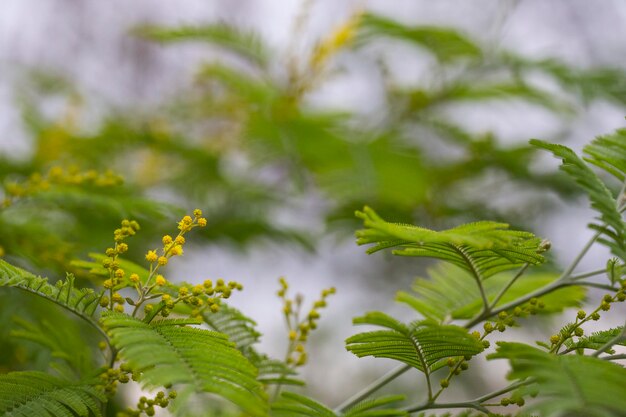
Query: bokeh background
(280, 118)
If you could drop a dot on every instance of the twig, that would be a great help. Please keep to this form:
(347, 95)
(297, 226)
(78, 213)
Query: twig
(373, 387)
(506, 288)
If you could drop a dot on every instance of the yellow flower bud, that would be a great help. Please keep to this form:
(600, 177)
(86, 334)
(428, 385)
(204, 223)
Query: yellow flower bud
(160, 280)
(151, 256)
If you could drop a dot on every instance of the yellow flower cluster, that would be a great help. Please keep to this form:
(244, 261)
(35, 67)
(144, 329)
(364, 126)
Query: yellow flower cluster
(201, 297)
(56, 176)
(174, 246)
(111, 263)
(299, 329)
(339, 38)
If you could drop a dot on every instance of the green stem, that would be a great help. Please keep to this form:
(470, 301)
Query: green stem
(590, 284)
(476, 403)
(373, 387)
(506, 288)
(535, 294)
(588, 274)
(504, 390)
(614, 357)
(568, 272)
(432, 406)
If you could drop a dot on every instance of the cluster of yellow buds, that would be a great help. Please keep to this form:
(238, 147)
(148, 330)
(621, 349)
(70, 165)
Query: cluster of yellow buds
(147, 405)
(299, 329)
(110, 378)
(339, 38)
(115, 302)
(201, 297)
(174, 246)
(504, 319)
(56, 176)
(575, 329)
(111, 263)
(461, 363)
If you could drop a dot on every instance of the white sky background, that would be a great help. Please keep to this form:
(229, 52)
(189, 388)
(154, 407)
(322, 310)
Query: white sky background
(86, 40)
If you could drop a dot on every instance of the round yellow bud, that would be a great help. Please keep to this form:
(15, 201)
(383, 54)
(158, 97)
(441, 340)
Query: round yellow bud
(119, 273)
(179, 240)
(197, 213)
(104, 301)
(167, 239)
(134, 278)
(151, 256)
(202, 222)
(162, 260)
(160, 280)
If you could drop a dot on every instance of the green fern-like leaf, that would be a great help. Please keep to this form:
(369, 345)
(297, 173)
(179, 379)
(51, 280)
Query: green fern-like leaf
(614, 228)
(82, 302)
(446, 44)
(241, 330)
(594, 341)
(65, 340)
(609, 153)
(567, 384)
(482, 248)
(421, 345)
(205, 361)
(245, 44)
(448, 292)
(38, 394)
(232, 322)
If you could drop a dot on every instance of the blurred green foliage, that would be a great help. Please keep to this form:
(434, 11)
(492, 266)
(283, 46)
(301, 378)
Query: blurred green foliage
(245, 143)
